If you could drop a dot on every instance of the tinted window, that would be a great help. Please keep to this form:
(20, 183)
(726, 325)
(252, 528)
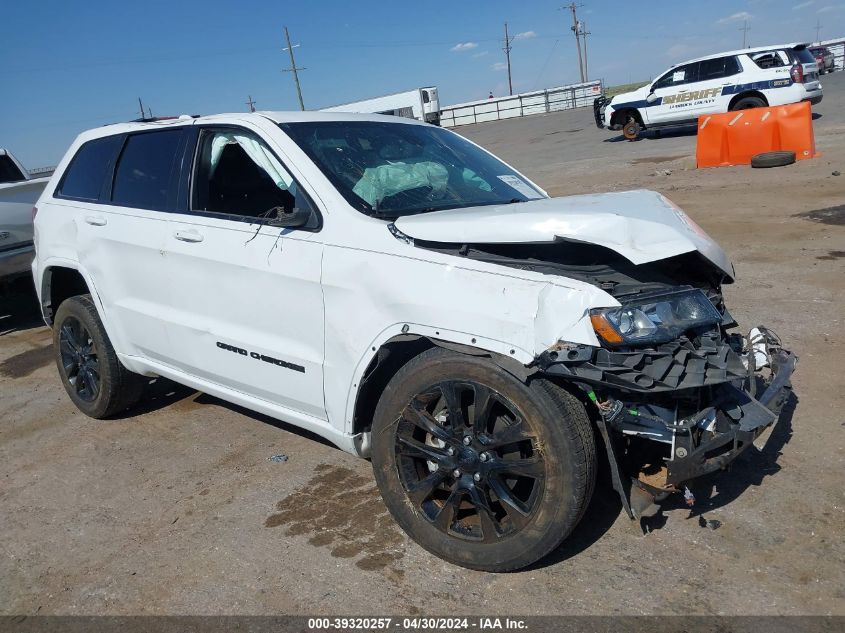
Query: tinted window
(9, 172)
(717, 68)
(144, 171)
(677, 76)
(237, 174)
(84, 178)
(804, 56)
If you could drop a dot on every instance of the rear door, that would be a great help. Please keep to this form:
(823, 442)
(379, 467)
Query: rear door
(245, 305)
(122, 238)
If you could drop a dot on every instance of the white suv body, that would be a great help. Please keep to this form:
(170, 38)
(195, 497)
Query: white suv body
(754, 77)
(297, 264)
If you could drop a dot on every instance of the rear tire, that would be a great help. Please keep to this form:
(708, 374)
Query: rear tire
(773, 159)
(96, 381)
(746, 103)
(477, 467)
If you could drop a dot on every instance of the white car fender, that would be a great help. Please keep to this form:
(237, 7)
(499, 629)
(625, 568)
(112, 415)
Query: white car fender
(514, 314)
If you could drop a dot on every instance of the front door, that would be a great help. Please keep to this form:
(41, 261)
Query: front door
(245, 297)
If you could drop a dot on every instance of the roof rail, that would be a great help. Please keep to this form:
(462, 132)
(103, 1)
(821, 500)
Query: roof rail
(153, 119)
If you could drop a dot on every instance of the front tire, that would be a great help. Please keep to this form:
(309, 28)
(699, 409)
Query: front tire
(477, 467)
(96, 381)
(631, 129)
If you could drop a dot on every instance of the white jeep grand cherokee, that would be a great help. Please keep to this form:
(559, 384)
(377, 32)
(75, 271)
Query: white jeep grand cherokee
(398, 290)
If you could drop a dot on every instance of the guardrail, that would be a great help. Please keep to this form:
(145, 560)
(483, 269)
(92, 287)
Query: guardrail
(524, 104)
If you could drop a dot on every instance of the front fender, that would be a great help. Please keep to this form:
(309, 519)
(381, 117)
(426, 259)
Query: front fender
(372, 298)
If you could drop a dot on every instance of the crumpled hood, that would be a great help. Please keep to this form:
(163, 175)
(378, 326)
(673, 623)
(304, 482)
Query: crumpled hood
(642, 226)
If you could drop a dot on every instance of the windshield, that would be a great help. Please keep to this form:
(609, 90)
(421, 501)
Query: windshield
(396, 169)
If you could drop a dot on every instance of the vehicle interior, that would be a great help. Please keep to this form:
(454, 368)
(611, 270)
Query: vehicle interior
(235, 183)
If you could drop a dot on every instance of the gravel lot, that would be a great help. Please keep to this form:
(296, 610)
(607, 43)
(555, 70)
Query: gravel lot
(176, 508)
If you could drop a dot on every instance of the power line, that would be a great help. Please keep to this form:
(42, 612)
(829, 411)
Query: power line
(744, 28)
(293, 68)
(507, 48)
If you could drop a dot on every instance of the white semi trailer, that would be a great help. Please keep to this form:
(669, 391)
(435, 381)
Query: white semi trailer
(420, 103)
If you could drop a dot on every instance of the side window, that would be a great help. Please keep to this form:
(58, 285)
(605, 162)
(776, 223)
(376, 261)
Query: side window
(85, 176)
(771, 59)
(145, 170)
(717, 68)
(235, 173)
(678, 76)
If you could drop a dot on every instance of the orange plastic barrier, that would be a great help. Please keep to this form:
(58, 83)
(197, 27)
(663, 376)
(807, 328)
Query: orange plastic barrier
(733, 138)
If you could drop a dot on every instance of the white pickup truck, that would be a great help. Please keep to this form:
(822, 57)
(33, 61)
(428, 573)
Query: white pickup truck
(18, 193)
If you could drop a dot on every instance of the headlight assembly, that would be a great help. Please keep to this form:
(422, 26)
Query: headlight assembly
(654, 319)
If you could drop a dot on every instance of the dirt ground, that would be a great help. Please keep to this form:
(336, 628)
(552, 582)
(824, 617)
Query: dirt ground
(176, 507)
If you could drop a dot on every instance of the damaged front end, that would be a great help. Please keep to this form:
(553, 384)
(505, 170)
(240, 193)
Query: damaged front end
(676, 394)
(675, 411)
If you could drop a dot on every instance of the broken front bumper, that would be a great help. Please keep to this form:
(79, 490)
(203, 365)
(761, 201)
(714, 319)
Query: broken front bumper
(639, 393)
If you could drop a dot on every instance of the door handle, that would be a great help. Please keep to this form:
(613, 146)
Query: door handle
(188, 236)
(95, 220)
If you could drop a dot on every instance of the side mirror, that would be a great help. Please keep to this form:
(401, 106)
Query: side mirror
(651, 98)
(296, 218)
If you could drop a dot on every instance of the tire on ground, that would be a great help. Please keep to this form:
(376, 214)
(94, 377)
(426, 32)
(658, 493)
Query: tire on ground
(564, 439)
(773, 159)
(749, 102)
(119, 388)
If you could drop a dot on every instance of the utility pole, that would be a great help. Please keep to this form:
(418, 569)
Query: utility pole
(141, 105)
(585, 33)
(576, 30)
(818, 29)
(744, 28)
(251, 104)
(293, 69)
(507, 48)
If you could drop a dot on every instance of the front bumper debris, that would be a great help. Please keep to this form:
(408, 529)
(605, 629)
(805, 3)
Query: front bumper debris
(640, 393)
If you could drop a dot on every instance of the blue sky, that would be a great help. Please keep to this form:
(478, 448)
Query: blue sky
(68, 66)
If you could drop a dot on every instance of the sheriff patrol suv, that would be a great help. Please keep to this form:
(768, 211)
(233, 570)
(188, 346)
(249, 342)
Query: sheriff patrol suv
(396, 289)
(749, 78)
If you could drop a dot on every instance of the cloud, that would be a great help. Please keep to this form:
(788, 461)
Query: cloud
(480, 54)
(499, 66)
(525, 35)
(831, 7)
(463, 46)
(803, 5)
(736, 17)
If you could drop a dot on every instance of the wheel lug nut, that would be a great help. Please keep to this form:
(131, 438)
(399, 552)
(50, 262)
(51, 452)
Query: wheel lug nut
(450, 451)
(484, 457)
(477, 476)
(467, 440)
(456, 473)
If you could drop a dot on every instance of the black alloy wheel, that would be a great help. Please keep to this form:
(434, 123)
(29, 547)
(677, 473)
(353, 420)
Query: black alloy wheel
(468, 461)
(92, 374)
(480, 468)
(79, 359)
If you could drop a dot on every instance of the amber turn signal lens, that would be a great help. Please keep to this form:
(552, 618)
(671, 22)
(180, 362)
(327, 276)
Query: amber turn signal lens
(605, 330)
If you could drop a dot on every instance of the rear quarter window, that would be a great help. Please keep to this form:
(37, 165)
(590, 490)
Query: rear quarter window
(145, 170)
(9, 172)
(804, 56)
(86, 174)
